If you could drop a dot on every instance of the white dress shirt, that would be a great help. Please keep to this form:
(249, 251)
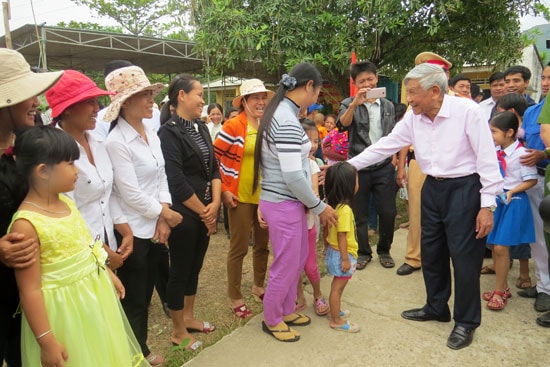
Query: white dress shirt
(93, 194)
(140, 179)
(457, 143)
(486, 107)
(102, 127)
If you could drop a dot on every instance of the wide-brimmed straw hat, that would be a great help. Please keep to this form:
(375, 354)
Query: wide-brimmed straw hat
(17, 82)
(73, 87)
(251, 86)
(125, 82)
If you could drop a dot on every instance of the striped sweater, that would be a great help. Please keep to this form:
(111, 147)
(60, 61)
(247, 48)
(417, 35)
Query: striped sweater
(229, 150)
(286, 174)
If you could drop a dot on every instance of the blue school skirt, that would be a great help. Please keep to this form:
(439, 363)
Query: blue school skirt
(513, 222)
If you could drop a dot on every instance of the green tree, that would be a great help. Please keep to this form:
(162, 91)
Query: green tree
(158, 18)
(390, 33)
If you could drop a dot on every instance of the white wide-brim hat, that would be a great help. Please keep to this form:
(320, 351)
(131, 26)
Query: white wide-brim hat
(251, 86)
(17, 82)
(125, 82)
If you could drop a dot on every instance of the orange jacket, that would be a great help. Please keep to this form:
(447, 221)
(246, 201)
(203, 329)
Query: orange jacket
(229, 150)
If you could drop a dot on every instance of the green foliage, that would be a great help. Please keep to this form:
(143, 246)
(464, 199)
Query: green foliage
(89, 26)
(390, 33)
(157, 18)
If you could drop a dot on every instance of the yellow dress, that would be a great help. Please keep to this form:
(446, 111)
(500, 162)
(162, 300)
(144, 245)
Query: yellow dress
(83, 309)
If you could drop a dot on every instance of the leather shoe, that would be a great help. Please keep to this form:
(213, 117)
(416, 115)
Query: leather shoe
(542, 303)
(529, 293)
(418, 314)
(406, 269)
(460, 337)
(544, 319)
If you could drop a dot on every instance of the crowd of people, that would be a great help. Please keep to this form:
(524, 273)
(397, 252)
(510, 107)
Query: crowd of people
(105, 205)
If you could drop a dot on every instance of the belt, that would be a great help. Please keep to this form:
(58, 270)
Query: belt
(449, 178)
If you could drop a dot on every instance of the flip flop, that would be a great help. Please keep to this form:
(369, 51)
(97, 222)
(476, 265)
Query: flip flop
(348, 327)
(242, 311)
(321, 306)
(155, 359)
(487, 270)
(386, 260)
(206, 328)
(285, 335)
(296, 319)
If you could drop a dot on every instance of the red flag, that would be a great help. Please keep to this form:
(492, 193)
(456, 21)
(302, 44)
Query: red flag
(352, 89)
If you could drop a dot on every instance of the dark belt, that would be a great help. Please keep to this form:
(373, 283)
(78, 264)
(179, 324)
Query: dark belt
(449, 178)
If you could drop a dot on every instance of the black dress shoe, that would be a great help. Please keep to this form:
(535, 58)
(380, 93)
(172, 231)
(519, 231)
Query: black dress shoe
(406, 269)
(529, 293)
(542, 303)
(460, 337)
(418, 314)
(544, 319)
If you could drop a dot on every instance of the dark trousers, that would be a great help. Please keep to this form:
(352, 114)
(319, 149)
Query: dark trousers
(188, 244)
(381, 183)
(449, 211)
(163, 271)
(10, 322)
(138, 277)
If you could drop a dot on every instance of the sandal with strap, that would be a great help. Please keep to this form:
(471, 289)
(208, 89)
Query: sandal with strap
(488, 295)
(321, 306)
(282, 335)
(523, 283)
(347, 327)
(155, 359)
(206, 328)
(242, 311)
(498, 301)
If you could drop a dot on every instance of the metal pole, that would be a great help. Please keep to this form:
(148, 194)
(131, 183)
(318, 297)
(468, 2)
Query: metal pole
(7, 17)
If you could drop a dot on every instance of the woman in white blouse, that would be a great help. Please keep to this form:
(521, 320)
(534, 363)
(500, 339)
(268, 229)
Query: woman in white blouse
(140, 182)
(74, 104)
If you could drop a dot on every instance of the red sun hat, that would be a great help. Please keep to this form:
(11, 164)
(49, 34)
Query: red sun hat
(72, 88)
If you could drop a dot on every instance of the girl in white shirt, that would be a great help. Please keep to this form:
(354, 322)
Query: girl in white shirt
(140, 181)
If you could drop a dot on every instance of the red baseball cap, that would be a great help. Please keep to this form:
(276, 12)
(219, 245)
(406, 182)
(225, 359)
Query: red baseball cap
(71, 88)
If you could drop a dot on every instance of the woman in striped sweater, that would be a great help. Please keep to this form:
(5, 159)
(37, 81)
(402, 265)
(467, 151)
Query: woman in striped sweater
(234, 148)
(282, 149)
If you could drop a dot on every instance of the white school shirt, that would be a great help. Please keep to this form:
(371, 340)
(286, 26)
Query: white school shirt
(93, 192)
(516, 173)
(139, 176)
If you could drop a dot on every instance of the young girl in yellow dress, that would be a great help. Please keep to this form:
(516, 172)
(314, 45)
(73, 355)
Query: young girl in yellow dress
(71, 312)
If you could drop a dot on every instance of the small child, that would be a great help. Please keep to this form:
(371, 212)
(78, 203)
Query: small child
(71, 312)
(513, 219)
(311, 269)
(341, 185)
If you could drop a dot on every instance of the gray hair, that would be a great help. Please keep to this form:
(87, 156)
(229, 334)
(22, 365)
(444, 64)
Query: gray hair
(429, 75)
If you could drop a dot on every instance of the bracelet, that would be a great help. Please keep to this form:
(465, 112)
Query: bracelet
(43, 334)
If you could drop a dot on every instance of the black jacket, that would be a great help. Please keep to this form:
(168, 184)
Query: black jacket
(358, 131)
(185, 168)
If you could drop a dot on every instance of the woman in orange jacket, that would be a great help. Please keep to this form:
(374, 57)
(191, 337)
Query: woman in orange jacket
(234, 147)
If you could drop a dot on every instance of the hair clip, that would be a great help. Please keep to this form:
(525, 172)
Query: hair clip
(288, 81)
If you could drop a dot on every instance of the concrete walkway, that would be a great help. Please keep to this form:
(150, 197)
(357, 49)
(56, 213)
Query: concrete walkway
(376, 297)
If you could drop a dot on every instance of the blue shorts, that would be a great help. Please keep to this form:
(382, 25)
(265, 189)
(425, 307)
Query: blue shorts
(334, 264)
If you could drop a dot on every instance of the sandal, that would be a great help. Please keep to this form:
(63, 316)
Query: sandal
(155, 359)
(206, 327)
(523, 283)
(191, 346)
(362, 262)
(487, 270)
(282, 335)
(258, 297)
(299, 307)
(296, 319)
(486, 296)
(344, 314)
(321, 306)
(348, 327)
(386, 260)
(242, 311)
(498, 301)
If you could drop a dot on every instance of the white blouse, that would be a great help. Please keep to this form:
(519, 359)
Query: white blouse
(139, 176)
(93, 194)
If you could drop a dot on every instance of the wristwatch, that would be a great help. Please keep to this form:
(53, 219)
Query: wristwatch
(491, 208)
